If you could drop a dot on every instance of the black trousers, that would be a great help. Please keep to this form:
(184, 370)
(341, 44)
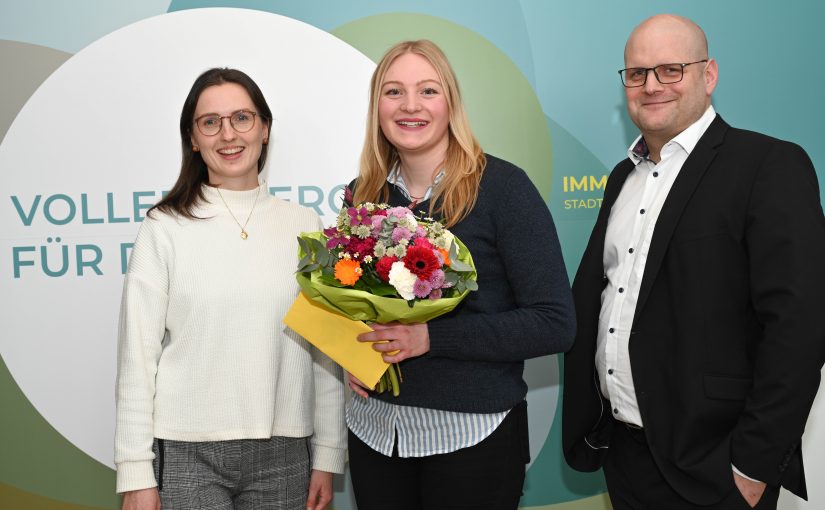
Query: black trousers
(634, 482)
(487, 476)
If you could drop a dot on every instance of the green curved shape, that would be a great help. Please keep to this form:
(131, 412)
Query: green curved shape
(31, 65)
(12, 497)
(504, 111)
(39, 461)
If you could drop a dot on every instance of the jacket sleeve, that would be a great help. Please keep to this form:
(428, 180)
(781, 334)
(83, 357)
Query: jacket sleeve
(785, 238)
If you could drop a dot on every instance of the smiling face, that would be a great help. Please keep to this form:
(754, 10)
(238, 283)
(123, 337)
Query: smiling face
(412, 108)
(231, 158)
(663, 111)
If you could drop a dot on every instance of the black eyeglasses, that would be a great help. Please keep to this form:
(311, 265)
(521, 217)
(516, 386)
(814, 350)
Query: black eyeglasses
(211, 123)
(665, 73)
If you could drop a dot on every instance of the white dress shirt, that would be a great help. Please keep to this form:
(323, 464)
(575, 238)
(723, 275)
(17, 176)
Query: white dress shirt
(627, 242)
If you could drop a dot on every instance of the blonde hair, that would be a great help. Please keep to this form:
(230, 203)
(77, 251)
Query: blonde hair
(464, 162)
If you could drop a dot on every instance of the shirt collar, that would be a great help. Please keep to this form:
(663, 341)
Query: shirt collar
(397, 179)
(687, 139)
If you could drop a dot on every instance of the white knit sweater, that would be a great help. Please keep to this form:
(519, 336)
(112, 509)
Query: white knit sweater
(203, 353)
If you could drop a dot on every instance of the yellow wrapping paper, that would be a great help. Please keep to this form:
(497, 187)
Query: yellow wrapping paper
(335, 336)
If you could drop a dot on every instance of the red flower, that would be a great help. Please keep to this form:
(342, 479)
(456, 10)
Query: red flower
(421, 261)
(424, 242)
(360, 247)
(383, 266)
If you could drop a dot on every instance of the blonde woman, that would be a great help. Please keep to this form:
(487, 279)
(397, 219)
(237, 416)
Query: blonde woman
(456, 437)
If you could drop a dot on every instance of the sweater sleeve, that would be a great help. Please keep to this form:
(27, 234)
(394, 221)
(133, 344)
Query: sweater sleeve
(542, 320)
(141, 330)
(329, 439)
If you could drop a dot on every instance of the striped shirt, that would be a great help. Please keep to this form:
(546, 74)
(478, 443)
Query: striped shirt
(420, 431)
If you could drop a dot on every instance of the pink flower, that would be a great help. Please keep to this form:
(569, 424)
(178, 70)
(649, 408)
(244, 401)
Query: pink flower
(399, 212)
(437, 279)
(377, 223)
(399, 233)
(435, 294)
(421, 288)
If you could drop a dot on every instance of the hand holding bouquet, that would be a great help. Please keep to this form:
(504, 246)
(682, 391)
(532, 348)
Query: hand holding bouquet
(382, 264)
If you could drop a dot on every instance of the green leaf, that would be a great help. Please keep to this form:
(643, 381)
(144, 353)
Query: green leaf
(471, 284)
(306, 259)
(310, 268)
(457, 265)
(453, 252)
(304, 245)
(317, 245)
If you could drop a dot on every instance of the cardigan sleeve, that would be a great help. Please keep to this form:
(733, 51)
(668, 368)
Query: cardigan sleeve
(541, 320)
(141, 330)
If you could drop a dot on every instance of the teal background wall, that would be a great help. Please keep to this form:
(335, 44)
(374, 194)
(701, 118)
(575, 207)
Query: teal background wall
(563, 54)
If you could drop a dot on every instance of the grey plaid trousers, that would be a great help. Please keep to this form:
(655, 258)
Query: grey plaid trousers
(243, 474)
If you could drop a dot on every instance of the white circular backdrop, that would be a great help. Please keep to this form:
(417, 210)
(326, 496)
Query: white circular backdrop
(104, 126)
(101, 135)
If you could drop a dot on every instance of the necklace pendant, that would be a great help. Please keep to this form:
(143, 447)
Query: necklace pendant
(244, 235)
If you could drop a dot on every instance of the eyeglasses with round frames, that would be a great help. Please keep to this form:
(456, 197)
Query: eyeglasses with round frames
(666, 74)
(210, 124)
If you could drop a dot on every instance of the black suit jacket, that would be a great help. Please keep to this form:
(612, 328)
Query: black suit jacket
(728, 336)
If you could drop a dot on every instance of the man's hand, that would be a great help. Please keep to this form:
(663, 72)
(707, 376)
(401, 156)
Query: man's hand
(750, 490)
(143, 499)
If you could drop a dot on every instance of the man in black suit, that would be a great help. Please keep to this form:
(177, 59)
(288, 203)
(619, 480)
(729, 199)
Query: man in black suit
(699, 298)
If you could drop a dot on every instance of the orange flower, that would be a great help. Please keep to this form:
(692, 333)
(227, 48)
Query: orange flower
(348, 271)
(446, 255)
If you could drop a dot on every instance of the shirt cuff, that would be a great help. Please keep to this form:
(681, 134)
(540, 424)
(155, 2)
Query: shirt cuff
(743, 475)
(328, 459)
(132, 476)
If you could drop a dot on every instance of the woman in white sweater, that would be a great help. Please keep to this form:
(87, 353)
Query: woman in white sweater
(219, 404)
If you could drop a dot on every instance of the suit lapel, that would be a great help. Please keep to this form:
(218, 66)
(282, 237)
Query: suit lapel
(677, 199)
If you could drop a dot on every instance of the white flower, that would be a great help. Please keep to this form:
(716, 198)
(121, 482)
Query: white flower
(403, 280)
(445, 240)
(362, 231)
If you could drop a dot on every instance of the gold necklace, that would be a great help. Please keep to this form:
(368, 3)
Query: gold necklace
(244, 233)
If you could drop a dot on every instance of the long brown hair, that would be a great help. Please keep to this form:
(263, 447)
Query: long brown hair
(188, 190)
(456, 194)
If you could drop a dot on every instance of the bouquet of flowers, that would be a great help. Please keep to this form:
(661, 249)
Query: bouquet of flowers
(382, 264)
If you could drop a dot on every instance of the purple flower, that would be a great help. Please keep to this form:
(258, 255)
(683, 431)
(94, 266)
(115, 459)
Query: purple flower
(437, 279)
(335, 238)
(435, 294)
(420, 232)
(359, 216)
(399, 233)
(422, 288)
(347, 197)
